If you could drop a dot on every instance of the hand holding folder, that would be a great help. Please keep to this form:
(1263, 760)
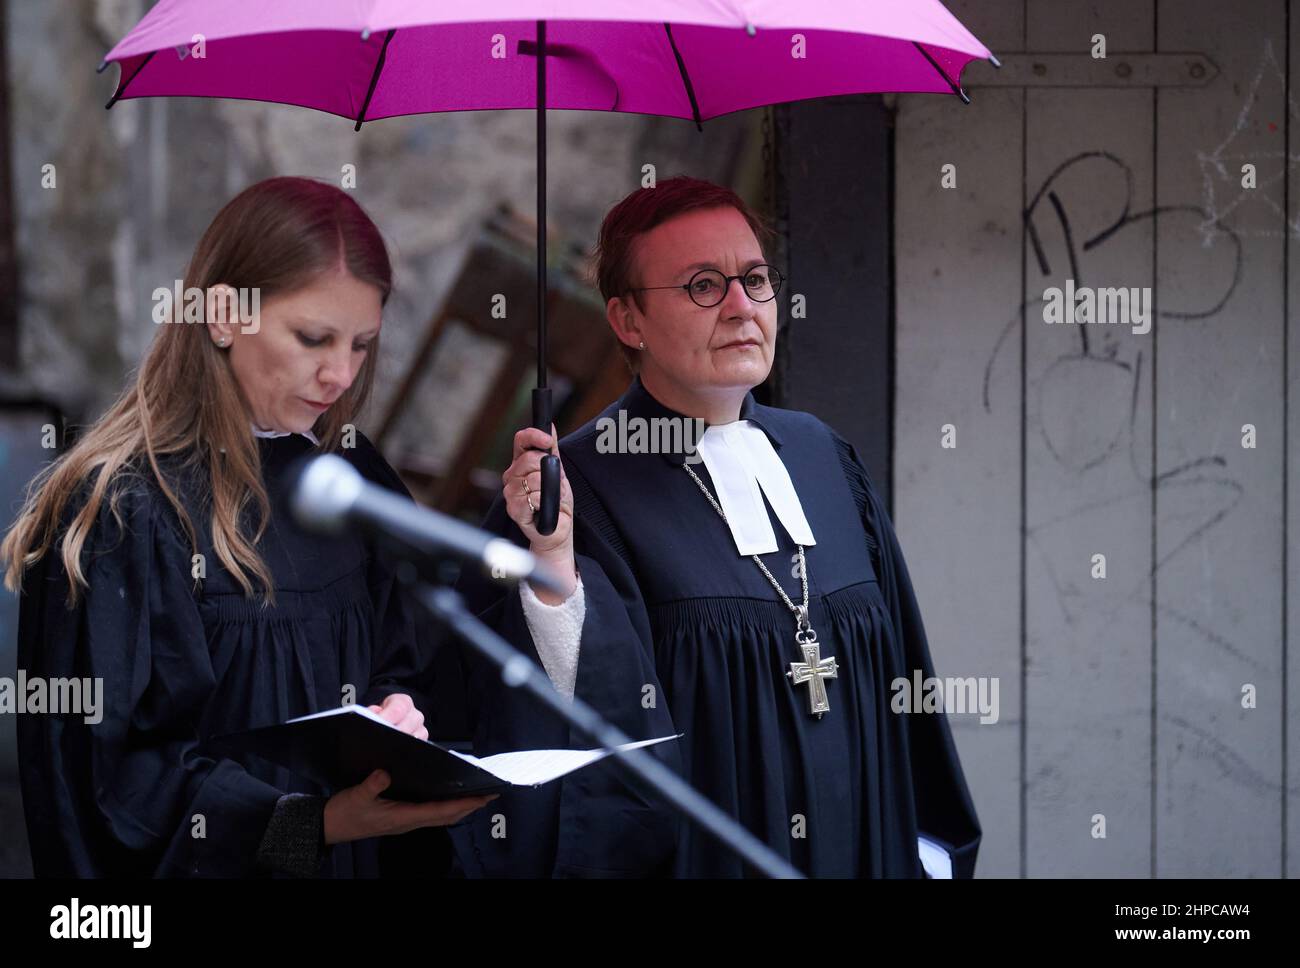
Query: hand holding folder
(340, 748)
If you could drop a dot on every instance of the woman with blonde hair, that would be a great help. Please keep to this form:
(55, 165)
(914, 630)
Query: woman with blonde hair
(157, 563)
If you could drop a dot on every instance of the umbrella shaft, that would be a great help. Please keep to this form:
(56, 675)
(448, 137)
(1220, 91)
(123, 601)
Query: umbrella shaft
(541, 203)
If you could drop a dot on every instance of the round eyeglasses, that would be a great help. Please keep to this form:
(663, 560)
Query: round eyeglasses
(708, 287)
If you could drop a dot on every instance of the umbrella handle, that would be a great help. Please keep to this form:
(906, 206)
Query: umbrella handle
(548, 513)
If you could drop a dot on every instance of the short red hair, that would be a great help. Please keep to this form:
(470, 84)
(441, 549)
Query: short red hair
(646, 208)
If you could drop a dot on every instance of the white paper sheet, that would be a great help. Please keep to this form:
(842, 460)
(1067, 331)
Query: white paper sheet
(935, 860)
(534, 767)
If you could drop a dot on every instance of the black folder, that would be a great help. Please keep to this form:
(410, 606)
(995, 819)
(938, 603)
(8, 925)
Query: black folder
(341, 747)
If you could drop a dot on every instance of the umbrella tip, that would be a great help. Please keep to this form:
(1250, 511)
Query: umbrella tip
(100, 69)
(993, 59)
(961, 92)
(365, 34)
(750, 29)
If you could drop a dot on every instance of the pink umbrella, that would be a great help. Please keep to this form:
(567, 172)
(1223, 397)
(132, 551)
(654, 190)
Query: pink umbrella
(695, 59)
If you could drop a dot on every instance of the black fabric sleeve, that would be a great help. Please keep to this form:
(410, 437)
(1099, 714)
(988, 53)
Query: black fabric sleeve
(593, 823)
(406, 638)
(945, 812)
(124, 791)
(294, 839)
(406, 643)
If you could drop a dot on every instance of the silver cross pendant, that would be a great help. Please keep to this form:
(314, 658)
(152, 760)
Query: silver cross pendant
(813, 670)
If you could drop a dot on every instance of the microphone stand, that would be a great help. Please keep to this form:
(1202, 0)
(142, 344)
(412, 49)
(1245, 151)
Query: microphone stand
(519, 672)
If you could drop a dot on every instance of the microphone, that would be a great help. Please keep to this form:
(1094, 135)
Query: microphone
(330, 492)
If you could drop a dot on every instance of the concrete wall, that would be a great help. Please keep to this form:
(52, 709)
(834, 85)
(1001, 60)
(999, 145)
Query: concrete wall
(1120, 697)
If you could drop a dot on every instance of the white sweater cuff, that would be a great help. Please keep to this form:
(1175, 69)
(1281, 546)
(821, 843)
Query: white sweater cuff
(557, 633)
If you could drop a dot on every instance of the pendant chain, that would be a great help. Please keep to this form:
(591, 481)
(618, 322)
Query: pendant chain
(801, 612)
(813, 671)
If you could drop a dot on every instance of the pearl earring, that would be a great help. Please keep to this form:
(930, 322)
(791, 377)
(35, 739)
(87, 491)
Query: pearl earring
(223, 341)
(643, 344)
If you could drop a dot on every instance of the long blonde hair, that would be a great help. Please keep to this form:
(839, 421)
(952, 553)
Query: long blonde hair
(276, 236)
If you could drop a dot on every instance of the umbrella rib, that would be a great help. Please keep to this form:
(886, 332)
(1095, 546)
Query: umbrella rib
(374, 78)
(686, 77)
(956, 88)
(122, 90)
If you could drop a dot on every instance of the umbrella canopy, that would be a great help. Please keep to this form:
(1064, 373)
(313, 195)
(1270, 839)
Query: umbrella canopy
(694, 59)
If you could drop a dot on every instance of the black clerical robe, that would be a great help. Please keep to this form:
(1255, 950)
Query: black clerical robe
(684, 634)
(136, 794)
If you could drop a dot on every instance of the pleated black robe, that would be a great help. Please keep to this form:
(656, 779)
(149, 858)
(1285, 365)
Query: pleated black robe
(676, 614)
(130, 795)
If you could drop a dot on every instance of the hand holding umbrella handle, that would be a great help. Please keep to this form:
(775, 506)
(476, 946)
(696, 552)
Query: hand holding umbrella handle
(548, 512)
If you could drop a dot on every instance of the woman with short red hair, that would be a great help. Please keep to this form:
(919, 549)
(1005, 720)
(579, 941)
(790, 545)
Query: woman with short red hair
(743, 587)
